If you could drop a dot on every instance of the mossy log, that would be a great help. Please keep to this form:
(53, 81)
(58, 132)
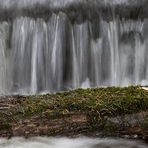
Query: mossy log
(93, 112)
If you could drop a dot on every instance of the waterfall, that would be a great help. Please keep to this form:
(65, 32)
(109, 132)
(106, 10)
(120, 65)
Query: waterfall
(4, 37)
(64, 48)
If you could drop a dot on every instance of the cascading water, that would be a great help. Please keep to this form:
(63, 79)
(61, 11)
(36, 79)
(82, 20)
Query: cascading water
(64, 49)
(4, 31)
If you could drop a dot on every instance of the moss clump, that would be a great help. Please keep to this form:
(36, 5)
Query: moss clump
(101, 101)
(144, 124)
(109, 128)
(5, 126)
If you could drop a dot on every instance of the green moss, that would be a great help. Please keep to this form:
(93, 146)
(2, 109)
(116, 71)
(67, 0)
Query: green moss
(107, 101)
(144, 124)
(5, 126)
(109, 128)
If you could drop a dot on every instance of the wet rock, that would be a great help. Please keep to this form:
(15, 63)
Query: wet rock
(75, 9)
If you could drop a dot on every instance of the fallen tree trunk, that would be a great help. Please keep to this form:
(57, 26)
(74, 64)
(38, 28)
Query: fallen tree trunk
(92, 112)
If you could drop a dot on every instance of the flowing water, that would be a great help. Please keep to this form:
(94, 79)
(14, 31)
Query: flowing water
(69, 143)
(69, 47)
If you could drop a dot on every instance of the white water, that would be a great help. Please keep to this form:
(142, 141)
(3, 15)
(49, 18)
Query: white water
(4, 33)
(57, 55)
(69, 143)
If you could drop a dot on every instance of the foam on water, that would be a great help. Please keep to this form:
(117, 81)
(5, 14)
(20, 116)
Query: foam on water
(69, 143)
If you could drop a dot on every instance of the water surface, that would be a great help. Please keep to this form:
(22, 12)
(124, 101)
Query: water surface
(69, 143)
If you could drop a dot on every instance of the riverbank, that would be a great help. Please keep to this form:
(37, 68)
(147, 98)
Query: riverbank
(93, 112)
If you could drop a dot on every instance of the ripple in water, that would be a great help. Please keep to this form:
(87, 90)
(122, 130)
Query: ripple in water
(69, 143)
